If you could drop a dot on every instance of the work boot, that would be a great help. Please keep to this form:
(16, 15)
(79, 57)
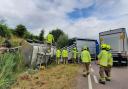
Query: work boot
(101, 81)
(85, 74)
(107, 79)
(88, 73)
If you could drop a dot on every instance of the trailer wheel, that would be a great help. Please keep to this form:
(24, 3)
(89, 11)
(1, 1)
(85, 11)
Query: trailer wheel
(126, 62)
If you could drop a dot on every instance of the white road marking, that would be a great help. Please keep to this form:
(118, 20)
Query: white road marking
(95, 79)
(89, 82)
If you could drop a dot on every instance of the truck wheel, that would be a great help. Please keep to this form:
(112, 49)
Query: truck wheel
(126, 63)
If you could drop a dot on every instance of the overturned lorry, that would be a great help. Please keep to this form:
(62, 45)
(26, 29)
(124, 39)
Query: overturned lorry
(118, 41)
(36, 54)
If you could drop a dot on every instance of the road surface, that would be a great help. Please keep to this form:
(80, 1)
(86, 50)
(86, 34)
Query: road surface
(119, 79)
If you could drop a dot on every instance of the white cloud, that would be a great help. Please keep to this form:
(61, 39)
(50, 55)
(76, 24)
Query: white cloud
(49, 14)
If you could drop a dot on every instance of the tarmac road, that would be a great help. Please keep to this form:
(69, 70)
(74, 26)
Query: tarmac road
(119, 79)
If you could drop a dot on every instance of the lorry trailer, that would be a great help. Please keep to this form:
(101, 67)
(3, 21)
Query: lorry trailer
(117, 39)
(79, 43)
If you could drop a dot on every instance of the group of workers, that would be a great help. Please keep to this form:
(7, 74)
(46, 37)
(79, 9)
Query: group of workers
(105, 59)
(64, 54)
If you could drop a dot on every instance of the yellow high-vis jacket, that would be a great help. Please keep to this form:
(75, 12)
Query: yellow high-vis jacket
(58, 53)
(85, 56)
(74, 53)
(50, 38)
(65, 53)
(103, 58)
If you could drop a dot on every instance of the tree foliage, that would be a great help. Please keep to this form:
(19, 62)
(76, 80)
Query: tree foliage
(20, 30)
(71, 41)
(41, 35)
(56, 33)
(4, 31)
(62, 40)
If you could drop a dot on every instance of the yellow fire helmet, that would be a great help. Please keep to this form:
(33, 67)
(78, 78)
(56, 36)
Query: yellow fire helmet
(74, 48)
(103, 46)
(108, 47)
(85, 48)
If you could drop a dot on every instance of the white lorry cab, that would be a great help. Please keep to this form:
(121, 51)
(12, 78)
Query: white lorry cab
(118, 41)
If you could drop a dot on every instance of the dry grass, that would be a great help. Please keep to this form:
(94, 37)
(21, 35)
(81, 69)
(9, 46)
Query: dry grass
(58, 77)
(15, 41)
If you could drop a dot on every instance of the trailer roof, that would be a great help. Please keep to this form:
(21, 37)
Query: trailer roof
(119, 30)
(85, 39)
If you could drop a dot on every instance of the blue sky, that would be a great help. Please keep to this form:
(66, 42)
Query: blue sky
(82, 12)
(77, 18)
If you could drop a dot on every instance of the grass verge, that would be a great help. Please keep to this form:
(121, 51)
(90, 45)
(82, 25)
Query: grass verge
(58, 77)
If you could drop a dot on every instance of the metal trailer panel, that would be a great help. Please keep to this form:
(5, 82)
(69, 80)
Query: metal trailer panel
(34, 55)
(127, 44)
(115, 39)
(26, 51)
(30, 52)
(119, 30)
(91, 44)
(118, 40)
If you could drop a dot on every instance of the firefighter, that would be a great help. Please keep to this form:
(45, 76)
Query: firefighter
(110, 64)
(49, 40)
(74, 54)
(58, 55)
(103, 63)
(65, 56)
(86, 59)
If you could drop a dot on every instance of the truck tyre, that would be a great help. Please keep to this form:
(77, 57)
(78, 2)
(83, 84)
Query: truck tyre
(126, 64)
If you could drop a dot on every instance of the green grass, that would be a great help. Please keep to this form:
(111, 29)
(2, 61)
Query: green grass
(10, 65)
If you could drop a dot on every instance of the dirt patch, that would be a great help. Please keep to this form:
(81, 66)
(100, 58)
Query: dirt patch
(58, 77)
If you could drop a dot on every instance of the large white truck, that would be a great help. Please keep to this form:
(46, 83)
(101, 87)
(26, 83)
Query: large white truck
(118, 41)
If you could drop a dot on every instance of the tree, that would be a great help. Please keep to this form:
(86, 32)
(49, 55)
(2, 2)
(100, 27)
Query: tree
(71, 41)
(27, 35)
(56, 33)
(5, 31)
(20, 30)
(62, 40)
(41, 35)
